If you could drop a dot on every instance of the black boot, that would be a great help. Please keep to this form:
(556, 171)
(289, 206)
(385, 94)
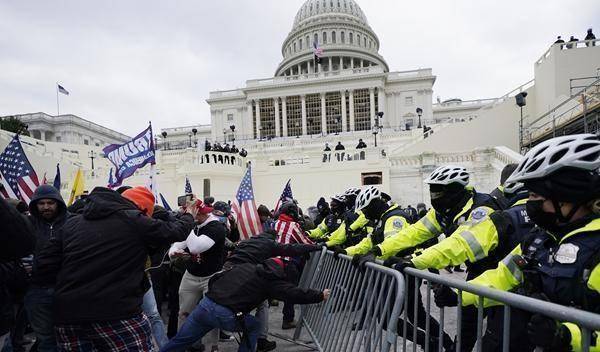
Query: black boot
(264, 345)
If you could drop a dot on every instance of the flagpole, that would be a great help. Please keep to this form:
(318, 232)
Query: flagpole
(57, 106)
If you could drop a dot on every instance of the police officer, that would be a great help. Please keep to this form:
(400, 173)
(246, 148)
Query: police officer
(354, 227)
(559, 259)
(499, 192)
(481, 243)
(452, 205)
(332, 221)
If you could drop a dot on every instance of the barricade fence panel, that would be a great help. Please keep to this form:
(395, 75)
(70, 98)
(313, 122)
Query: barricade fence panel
(365, 312)
(363, 309)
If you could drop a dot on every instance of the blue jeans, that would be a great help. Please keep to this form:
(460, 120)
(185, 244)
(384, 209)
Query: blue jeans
(158, 326)
(209, 315)
(39, 305)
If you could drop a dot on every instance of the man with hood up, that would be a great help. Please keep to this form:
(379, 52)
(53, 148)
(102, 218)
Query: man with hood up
(96, 264)
(48, 214)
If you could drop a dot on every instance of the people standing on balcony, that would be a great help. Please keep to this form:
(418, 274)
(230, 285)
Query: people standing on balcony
(590, 37)
(339, 147)
(234, 149)
(560, 41)
(361, 144)
(207, 146)
(243, 153)
(572, 43)
(327, 149)
(227, 148)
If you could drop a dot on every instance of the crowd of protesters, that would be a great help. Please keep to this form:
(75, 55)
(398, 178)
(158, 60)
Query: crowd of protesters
(226, 148)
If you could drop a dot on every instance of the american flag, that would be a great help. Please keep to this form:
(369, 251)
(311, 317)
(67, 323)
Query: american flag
(18, 177)
(62, 89)
(188, 186)
(285, 195)
(318, 51)
(244, 207)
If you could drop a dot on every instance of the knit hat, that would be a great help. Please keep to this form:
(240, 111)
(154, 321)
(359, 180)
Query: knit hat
(142, 198)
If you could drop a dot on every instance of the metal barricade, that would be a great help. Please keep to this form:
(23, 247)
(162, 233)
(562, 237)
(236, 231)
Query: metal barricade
(588, 322)
(363, 309)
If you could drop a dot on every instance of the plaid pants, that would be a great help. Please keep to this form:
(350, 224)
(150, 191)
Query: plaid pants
(133, 334)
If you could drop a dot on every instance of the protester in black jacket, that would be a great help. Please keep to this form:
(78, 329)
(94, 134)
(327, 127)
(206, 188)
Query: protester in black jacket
(48, 214)
(97, 264)
(16, 240)
(232, 294)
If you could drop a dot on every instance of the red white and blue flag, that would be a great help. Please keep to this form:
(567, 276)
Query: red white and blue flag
(18, 176)
(285, 195)
(244, 207)
(62, 89)
(317, 50)
(188, 186)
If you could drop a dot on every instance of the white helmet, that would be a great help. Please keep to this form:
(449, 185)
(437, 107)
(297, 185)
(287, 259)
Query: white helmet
(447, 174)
(578, 151)
(339, 197)
(366, 196)
(352, 191)
(513, 187)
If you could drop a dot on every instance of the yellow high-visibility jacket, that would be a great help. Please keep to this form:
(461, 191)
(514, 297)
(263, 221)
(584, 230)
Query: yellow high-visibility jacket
(472, 241)
(392, 225)
(338, 237)
(508, 275)
(425, 229)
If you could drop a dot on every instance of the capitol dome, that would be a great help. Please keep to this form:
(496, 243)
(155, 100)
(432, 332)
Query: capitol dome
(340, 28)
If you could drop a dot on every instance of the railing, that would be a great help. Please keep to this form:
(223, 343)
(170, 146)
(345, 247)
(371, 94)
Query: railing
(566, 46)
(363, 309)
(464, 103)
(324, 157)
(563, 114)
(77, 121)
(219, 158)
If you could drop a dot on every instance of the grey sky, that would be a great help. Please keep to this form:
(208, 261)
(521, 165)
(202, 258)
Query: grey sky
(127, 62)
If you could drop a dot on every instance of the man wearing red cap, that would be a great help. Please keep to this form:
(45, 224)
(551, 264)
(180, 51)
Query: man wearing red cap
(205, 247)
(96, 261)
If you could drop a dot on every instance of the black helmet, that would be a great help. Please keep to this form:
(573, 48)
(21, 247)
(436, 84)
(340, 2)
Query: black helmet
(221, 208)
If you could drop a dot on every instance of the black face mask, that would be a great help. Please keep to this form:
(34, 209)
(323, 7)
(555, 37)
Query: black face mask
(543, 219)
(445, 203)
(374, 210)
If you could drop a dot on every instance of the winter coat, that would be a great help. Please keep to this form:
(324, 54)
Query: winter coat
(97, 258)
(243, 287)
(262, 247)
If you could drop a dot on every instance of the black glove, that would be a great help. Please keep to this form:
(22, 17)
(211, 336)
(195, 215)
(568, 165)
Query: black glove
(316, 247)
(391, 261)
(360, 260)
(546, 333)
(444, 296)
(337, 250)
(403, 263)
(377, 237)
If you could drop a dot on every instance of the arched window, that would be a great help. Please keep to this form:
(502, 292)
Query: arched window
(343, 37)
(351, 38)
(358, 39)
(316, 37)
(365, 42)
(300, 43)
(333, 38)
(324, 37)
(294, 46)
(370, 44)
(307, 41)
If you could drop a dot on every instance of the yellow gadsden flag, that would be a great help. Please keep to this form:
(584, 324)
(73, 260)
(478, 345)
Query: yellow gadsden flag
(77, 189)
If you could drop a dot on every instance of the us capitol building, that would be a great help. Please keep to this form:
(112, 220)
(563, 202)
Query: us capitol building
(284, 121)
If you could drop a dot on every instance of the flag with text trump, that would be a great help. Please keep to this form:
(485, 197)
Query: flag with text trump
(17, 175)
(244, 207)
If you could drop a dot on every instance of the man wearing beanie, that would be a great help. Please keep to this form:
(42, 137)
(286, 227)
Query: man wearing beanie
(96, 264)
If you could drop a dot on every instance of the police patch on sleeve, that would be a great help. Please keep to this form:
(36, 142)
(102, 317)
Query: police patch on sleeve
(478, 215)
(566, 253)
(397, 223)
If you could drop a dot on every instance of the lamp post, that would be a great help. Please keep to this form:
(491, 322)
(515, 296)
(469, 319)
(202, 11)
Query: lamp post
(232, 128)
(164, 135)
(419, 112)
(521, 102)
(92, 156)
(377, 127)
(190, 137)
(224, 135)
(194, 131)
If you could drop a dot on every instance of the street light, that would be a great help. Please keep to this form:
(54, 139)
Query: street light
(164, 135)
(521, 102)
(377, 127)
(224, 135)
(190, 136)
(419, 112)
(232, 128)
(92, 156)
(194, 131)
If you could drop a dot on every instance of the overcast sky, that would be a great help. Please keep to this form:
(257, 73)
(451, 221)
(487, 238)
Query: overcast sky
(127, 62)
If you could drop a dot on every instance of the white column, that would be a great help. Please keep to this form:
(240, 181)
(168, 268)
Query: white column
(362, 63)
(309, 66)
(248, 120)
(372, 105)
(276, 104)
(330, 63)
(299, 69)
(43, 135)
(284, 114)
(344, 117)
(258, 133)
(304, 133)
(351, 62)
(352, 129)
(323, 115)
